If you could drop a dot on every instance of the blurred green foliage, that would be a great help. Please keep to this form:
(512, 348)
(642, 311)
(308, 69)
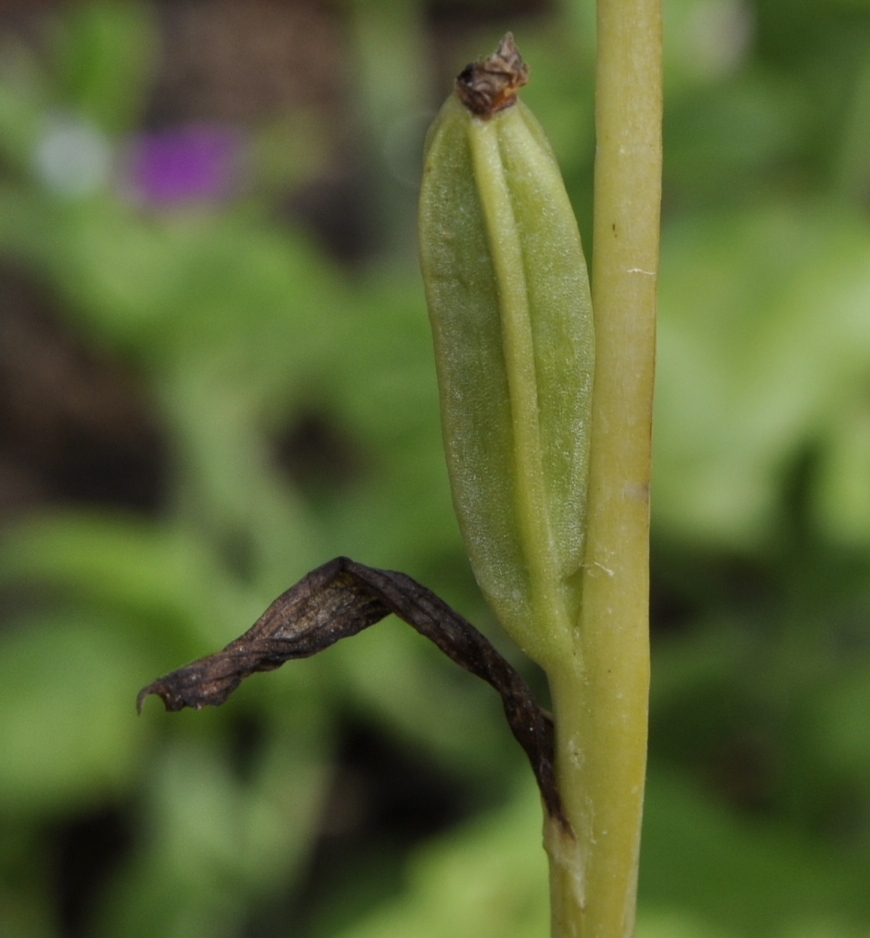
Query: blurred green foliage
(239, 328)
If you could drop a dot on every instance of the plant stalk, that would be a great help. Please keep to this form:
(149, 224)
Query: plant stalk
(600, 692)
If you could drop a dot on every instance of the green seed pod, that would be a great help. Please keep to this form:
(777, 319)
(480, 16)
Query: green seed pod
(511, 315)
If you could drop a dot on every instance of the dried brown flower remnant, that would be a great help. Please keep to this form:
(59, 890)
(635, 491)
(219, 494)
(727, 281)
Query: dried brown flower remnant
(491, 84)
(340, 599)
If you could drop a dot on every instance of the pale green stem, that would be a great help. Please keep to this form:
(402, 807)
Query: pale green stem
(601, 707)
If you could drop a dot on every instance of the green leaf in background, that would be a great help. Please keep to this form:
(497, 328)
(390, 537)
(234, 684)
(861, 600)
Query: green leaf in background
(481, 882)
(163, 579)
(764, 341)
(64, 696)
(104, 57)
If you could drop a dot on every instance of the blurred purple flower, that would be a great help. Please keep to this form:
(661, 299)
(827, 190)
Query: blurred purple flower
(197, 162)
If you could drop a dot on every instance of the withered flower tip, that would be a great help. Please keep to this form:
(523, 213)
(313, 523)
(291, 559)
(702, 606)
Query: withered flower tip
(491, 84)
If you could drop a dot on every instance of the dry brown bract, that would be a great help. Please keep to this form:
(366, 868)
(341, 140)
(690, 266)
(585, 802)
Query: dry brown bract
(340, 599)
